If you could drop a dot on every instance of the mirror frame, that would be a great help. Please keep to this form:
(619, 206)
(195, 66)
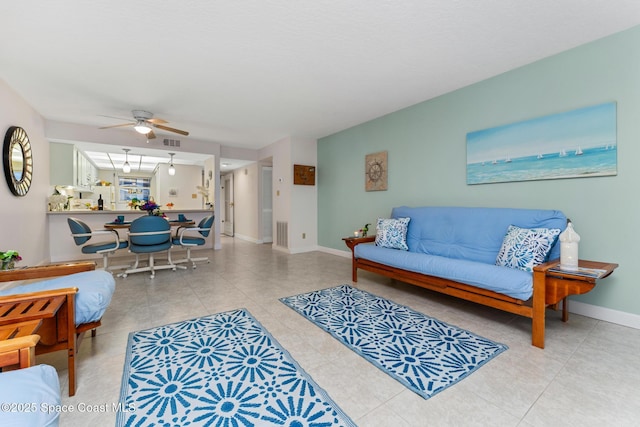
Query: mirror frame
(17, 137)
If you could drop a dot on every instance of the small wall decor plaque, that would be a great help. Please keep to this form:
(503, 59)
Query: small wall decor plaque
(375, 171)
(304, 175)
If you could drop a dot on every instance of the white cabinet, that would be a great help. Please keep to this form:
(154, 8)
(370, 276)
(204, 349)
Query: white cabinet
(68, 166)
(86, 173)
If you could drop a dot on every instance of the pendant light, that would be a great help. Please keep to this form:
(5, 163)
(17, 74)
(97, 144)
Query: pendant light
(172, 169)
(126, 168)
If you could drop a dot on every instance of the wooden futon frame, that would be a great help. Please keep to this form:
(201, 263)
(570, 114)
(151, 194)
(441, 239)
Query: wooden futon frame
(549, 288)
(55, 309)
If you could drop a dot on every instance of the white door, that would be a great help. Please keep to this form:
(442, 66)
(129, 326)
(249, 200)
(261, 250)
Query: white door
(267, 204)
(227, 226)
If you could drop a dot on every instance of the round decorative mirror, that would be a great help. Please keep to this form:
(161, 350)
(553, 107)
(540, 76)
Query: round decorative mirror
(18, 160)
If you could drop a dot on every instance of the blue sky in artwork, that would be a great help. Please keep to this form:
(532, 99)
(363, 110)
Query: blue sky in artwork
(582, 128)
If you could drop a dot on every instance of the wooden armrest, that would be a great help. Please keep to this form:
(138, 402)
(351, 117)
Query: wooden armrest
(19, 343)
(546, 266)
(37, 295)
(44, 271)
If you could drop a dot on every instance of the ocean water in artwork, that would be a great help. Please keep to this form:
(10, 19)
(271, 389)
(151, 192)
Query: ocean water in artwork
(574, 144)
(596, 161)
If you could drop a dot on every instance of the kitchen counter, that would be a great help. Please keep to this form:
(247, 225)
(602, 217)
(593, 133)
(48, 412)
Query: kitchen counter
(169, 212)
(62, 247)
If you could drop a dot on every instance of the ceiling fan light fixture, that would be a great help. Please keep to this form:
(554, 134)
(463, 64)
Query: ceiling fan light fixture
(142, 127)
(172, 169)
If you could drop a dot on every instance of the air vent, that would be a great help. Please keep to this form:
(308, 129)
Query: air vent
(171, 142)
(282, 234)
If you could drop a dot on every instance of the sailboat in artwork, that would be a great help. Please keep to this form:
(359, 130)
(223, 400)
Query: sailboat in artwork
(562, 153)
(578, 151)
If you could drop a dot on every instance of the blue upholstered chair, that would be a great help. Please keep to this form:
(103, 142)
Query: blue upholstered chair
(149, 235)
(190, 237)
(82, 233)
(37, 386)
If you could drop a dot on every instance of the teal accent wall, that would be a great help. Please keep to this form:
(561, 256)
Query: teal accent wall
(426, 144)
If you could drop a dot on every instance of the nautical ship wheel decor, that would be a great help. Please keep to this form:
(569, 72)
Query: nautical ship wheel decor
(18, 160)
(375, 170)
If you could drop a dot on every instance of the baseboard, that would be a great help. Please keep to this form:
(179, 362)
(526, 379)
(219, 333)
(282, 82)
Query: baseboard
(246, 238)
(303, 250)
(344, 254)
(606, 314)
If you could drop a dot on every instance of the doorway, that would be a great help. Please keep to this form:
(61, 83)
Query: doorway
(227, 194)
(267, 204)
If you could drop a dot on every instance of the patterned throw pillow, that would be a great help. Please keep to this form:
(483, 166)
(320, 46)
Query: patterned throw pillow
(524, 248)
(392, 233)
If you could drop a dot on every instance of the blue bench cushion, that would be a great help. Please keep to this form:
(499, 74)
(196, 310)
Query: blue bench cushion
(37, 389)
(508, 281)
(95, 289)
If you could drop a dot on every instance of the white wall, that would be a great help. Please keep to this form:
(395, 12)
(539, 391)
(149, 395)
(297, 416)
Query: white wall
(280, 153)
(304, 200)
(185, 182)
(294, 204)
(22, 219)
(245, 199)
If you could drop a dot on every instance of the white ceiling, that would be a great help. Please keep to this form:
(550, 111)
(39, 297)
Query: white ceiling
(247, 73)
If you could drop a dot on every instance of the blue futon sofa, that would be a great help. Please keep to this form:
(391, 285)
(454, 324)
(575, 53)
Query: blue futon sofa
(484, 255)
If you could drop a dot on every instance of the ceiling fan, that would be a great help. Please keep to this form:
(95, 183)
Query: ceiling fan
(143, 122)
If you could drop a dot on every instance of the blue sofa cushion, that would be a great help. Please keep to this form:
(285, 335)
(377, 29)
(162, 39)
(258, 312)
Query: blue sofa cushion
(35, 389)
(95, 289)
(473, 234)
(524, 248)
(392, 233)
(508, 281)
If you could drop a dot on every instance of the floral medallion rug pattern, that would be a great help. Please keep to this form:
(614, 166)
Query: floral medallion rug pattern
(219, 370)
(423, 353)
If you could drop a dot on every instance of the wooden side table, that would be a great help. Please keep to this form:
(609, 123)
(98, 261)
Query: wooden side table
(561, 284)
(351, 243)
(18, 343)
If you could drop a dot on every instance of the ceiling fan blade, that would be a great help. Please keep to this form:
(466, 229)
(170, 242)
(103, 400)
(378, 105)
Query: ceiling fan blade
(181, 132)
(116, 126)
(114, 117)
(151, 135)
(157, 121)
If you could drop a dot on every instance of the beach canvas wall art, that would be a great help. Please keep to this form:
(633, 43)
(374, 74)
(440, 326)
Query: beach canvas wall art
(574, 144)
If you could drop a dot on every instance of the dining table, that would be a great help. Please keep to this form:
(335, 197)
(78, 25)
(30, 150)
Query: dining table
(126, 224)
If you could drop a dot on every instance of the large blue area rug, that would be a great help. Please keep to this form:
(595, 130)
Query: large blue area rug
(423, 353)
(219, 370)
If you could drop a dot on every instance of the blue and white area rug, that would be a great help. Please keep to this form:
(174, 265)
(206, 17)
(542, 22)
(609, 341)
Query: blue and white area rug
(219, 370)
(423, 353)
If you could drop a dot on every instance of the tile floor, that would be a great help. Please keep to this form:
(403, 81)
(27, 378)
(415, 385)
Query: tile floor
(588, 375)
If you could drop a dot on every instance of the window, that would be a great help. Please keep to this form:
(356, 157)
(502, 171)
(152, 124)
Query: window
(132, 187)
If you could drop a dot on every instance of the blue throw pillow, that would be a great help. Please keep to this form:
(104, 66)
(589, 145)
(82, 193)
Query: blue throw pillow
(524, 248)
(392, 233)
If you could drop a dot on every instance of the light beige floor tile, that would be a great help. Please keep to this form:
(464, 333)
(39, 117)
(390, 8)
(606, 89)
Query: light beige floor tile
(587, 374)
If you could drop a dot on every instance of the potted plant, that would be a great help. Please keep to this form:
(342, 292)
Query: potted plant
(9, 258)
